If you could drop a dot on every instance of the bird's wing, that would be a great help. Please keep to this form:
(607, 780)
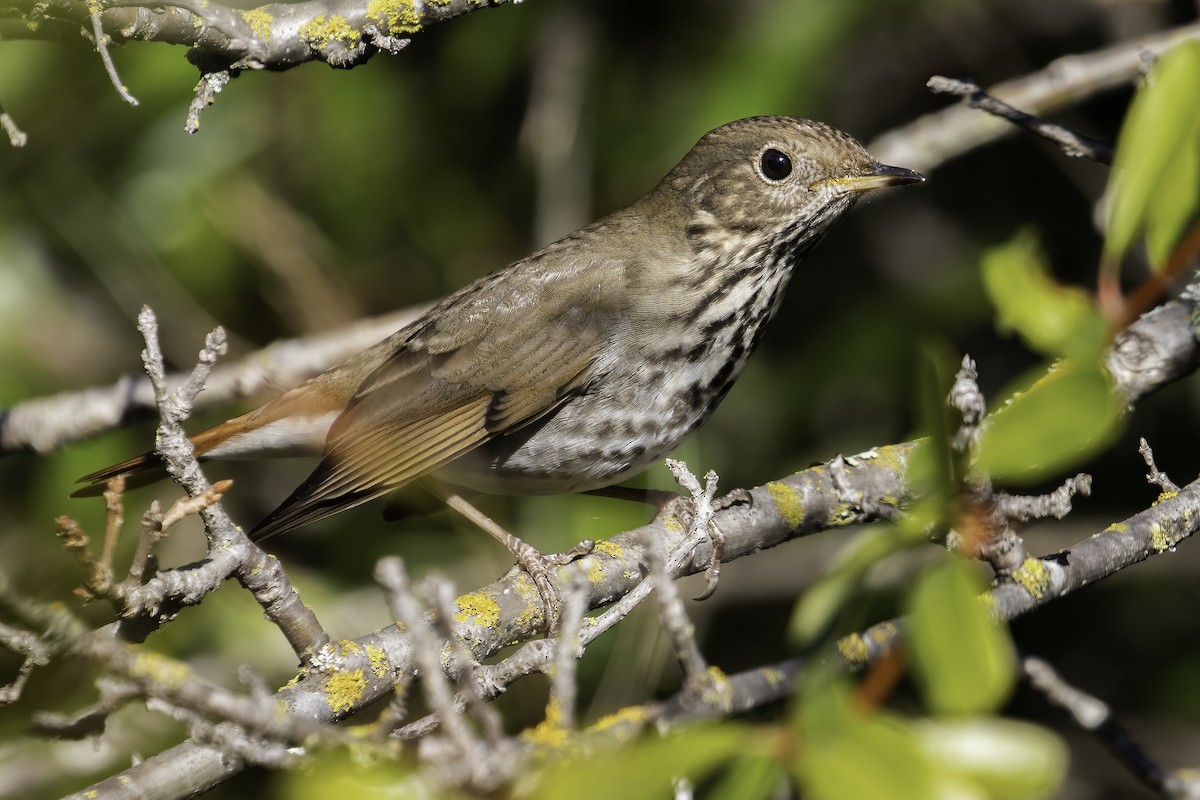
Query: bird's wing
(485, 361)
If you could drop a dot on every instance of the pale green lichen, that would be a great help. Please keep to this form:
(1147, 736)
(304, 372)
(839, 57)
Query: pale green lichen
(344, 689)
(320, 32)
(395, 16)
(715, 690)
(160, 669)
(1033, 577)
(479, 609)
(789, 502)
(529, 616)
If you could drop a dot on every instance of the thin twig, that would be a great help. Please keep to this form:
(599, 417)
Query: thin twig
(101, 39)
(1155, 477)
(1073, 144)
(16, 136)
(207, 89)
(1094, 716)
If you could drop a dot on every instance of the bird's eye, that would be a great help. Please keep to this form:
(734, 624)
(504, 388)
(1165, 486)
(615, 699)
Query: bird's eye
(775, 165)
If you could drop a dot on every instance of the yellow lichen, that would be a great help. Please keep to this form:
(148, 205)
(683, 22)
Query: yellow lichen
(774, 677)
(260, 23)
(1118, 527)
(636, 715)
(716, 691)
(378, 660)
(1164, 497)
(789, 503)
(479, 609)
(529, 615)
(854, 649)
(348, 648)
(396, 16)
(159, 668)
(320, 32)
(595, 572)
(550, 731)
(344, 689)
(1160, 539)
(1033, 576)
(609, 548)
(673, 523)
(883, 634)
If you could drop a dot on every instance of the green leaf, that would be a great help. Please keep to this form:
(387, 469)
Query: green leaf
(1061, 418)
(648, 767)
(1005, 759)
(1053, 319)
(1173, 208)
(847, 753)
(819, 606)
(748, 778)
(962, 658)
(931, 469)
(1155, 173)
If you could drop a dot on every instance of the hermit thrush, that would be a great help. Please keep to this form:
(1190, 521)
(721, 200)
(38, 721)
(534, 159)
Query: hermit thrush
(582, 364)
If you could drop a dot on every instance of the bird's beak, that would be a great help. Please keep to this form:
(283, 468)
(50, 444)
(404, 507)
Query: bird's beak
(878, 176)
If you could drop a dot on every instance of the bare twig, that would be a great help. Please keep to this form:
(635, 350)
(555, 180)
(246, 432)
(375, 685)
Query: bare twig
(701, 514)
(563, 689)
(1094, 716)
(1155, 477)
(207, 89)
(938, 137)
(16, 136)
(1073, 144)
(101, 40)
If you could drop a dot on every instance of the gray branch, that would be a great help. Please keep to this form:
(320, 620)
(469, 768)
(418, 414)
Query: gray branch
(938, 137)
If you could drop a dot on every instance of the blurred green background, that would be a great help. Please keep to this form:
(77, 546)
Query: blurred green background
(312, 197)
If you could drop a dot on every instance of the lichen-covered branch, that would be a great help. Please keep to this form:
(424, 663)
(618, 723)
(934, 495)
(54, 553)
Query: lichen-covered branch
(274, 36)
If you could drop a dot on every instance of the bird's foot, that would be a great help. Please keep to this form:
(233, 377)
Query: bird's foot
(698, 511)
(543, 569)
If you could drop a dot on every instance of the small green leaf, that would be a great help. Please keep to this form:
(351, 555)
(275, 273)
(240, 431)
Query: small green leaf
(749, 778)
(962, 658)
(1155, 164)
(820, 605)
(1006, 759)
(847, 753)
(1061, 418)
(1053, 319)
(1173, 208)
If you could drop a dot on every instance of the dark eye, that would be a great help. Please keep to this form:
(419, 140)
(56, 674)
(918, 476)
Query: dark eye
(775, 165)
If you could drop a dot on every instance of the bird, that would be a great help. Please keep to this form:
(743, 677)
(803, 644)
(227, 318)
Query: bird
(580, 365)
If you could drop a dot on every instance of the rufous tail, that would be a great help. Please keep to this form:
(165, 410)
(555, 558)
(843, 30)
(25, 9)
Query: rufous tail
(148, 467)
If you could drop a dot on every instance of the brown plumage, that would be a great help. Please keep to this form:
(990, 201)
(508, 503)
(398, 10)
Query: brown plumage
(580, 365)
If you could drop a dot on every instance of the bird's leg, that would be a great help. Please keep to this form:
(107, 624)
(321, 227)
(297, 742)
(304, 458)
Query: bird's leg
(540, 567)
